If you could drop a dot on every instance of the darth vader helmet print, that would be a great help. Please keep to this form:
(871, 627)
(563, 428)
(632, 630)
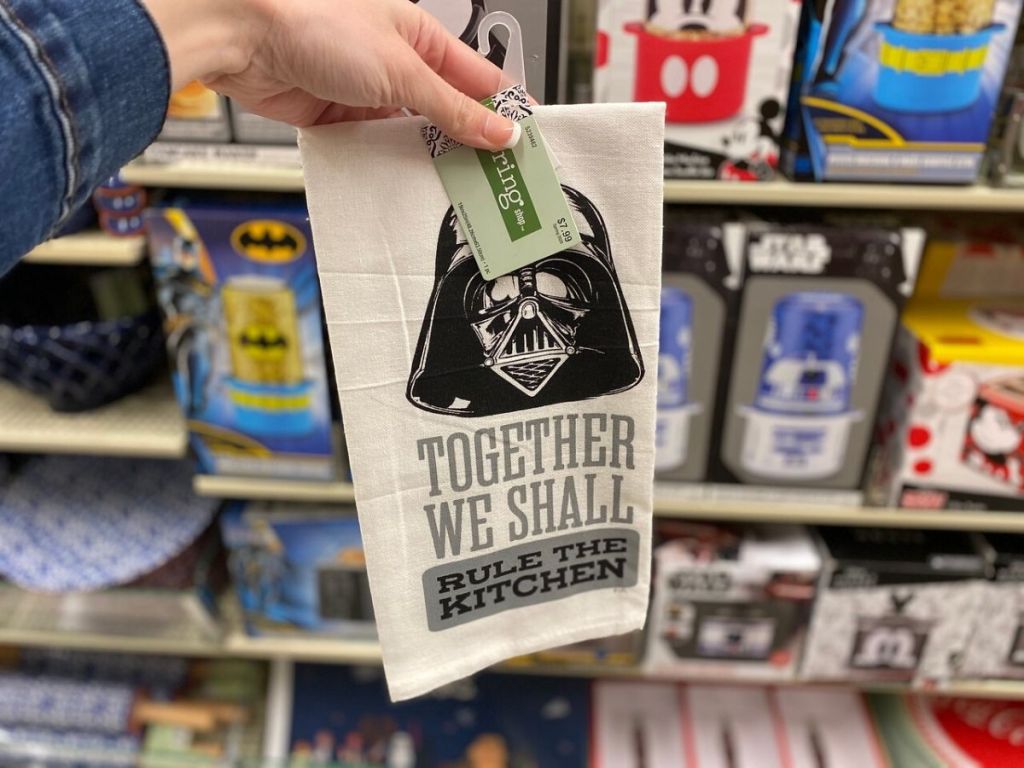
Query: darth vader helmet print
(556, 331)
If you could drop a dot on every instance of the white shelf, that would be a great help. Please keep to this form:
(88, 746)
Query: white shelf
(147, 423)
(885, 196)
(90, 249)
(256, 177)
(273, 490)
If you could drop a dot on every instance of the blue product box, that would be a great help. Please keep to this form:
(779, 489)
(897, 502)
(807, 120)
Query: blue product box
(241, 303)
(900, 91)
(298, 568)
(342, 715)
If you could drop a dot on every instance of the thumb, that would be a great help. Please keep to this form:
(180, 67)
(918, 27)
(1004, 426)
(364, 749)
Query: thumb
(462, 118)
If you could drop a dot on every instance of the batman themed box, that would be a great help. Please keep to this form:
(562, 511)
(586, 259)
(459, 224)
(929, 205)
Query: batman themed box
(903, 90)
(894, 606)
(721, 67)
(702, 271)
(543, 24)
(731, 602)
(241, 302)
(820, 305)
(298, 568)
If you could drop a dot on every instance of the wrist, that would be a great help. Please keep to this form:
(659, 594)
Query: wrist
(208, 38)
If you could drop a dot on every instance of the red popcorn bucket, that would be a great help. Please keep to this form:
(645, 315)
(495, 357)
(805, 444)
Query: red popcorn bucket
(700, 80)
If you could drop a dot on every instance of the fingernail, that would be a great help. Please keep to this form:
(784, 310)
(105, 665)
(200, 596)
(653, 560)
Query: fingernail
(513, 137)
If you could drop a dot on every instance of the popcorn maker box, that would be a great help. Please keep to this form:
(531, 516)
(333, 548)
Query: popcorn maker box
(951, 431)
(721, 67)
(905, 90)
(241, 302)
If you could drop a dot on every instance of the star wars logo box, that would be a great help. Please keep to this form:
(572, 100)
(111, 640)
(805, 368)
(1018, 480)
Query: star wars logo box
(501, 430)
(905, 90)
(702, 265)
(996, 649)
(819, 307)
(238, 289)
(544, 27)
(951, 431)
(894, 606)
(721, 67)
(731, 602)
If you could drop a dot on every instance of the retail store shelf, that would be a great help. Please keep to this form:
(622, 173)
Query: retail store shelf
(316, 649)
(885, 196)
(666, 504)
(221, 175)
(90, 249)
(147, 423)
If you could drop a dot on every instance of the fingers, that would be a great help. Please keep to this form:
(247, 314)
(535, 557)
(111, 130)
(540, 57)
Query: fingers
(455, 61)
(461, 117)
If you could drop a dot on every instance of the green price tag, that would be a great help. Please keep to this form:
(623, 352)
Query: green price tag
(510, 204)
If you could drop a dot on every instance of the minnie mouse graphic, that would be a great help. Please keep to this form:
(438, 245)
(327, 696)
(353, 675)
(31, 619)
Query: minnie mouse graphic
(752, 146)
(994, 443)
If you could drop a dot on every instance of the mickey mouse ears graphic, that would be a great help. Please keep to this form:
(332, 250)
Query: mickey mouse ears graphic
(554, 332)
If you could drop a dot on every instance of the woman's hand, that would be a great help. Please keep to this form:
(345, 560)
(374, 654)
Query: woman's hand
(309, 62)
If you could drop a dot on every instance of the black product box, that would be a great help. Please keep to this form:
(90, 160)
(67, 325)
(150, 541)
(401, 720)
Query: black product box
(543, 24)
(702, 275)
(731, 602)
(894, 606)
(819, 307)
(996, 649)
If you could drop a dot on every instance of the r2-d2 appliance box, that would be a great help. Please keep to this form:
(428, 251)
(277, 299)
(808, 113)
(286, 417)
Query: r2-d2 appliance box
(543, 24)
(894, 606)
(819, 309)
(703, 270)
(731, 602)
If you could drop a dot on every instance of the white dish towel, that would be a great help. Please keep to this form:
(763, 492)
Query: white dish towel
(501, 433)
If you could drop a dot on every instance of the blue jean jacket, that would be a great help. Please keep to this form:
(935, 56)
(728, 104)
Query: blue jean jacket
(84, 87)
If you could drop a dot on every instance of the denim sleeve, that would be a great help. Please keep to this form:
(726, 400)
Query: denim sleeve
(85, 89)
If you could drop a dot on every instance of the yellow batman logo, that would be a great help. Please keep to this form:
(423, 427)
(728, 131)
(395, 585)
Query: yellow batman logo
(268, 240)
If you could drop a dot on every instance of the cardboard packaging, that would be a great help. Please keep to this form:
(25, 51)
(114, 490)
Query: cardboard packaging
(951, 432)
(701, 278)
(996, 649)
(249, 128)
(894, 606)
(722, 68)
(819, 307)
(544, 26)
(241, 302)
(904, 90)
(298, 568)
(976, 257)
(195, 113)
(826, 727)
(731, 602)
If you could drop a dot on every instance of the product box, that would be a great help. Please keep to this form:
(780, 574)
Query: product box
(544, 37)
(195, 113)
(731, 602)
(829, 727)
(722, 69)
(951, 431)
(342, 716)
(241, 302)
(996, 649)
(944, 731)
(819, 307)
(981, 256)
(617, 651)
(701, 278)
(905, 90)
(249, 128)
(894, 606)
(298, 568)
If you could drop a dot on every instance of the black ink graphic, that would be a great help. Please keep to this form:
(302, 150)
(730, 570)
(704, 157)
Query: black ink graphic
(554, 332)
(268, 241)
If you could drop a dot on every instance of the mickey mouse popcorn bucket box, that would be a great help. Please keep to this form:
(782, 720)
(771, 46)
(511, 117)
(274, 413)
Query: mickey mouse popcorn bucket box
(720, 66)
(905, 90)
(241, 304)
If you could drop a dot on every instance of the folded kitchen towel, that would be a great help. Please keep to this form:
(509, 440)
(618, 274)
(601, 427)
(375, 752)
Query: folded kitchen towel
(501, 432)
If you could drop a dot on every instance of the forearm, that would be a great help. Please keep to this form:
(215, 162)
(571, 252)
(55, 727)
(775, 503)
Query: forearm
(86, 87)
